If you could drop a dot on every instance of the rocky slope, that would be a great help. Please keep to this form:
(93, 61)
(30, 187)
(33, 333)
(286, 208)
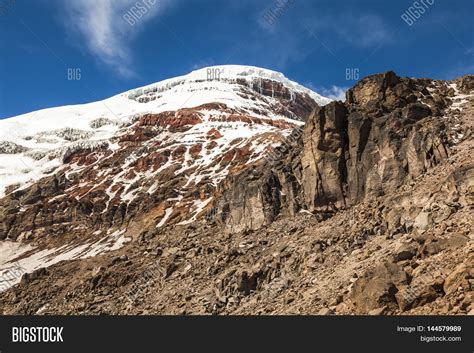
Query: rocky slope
(367, 208)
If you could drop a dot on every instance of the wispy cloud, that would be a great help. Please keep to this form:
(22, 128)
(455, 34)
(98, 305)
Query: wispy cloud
(288, 42)
(332, 92)
(363, 31)
(104, 30)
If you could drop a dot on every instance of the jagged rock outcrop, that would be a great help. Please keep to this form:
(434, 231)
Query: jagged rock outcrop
(387, 133)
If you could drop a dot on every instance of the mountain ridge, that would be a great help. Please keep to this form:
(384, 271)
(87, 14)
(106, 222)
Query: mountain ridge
(38, 133)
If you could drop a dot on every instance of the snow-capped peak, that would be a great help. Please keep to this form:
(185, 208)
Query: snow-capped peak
(228, 73)
(35, 144)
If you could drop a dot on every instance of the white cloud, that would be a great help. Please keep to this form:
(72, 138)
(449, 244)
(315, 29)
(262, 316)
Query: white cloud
(102, 27)
(330, 32)
(334, 92)
(364, 30)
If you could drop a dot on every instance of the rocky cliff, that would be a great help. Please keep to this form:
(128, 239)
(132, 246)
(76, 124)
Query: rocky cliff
(389, 131)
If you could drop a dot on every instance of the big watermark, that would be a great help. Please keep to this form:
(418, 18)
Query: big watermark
(135, 13)
(414, 12)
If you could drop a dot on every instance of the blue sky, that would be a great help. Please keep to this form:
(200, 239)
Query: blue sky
(314, 42)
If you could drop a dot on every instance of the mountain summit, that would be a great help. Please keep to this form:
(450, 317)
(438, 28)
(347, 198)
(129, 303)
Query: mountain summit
(36, 144)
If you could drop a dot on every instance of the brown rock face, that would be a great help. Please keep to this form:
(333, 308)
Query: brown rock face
(323, 158)
(385, 135)
(461, 277)
(378, 288)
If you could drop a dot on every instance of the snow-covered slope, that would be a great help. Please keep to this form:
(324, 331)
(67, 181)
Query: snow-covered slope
(35, 144)
(216, 84)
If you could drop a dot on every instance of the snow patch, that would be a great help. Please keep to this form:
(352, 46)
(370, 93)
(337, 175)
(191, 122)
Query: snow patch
(11, 254)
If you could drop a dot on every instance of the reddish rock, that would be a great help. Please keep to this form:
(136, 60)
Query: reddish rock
(195, 150)
(130, 175)
(236, 141)
(211, 145)
(181, 120)
(214, 134)
(179, 151)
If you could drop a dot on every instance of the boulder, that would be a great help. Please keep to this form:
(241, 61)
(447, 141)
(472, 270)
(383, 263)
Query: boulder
(405, 251)
(326, 311)
(415, 295)
(378, 287)
(423, 221)
(460, 277)
(435, 245)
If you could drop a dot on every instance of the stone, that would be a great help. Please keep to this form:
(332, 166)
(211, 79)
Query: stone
(432, 248)
(414, 295)
(377, 288)
(337, 300)
(456, 240)
(36, 274)
(420, 238)
(326, 311)
(98, 270)
(423, 221)
(377, 311)
(416, 111)
(405, 251)
(441, 214)
(346, 153)
(436, 245)
(459, 277)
